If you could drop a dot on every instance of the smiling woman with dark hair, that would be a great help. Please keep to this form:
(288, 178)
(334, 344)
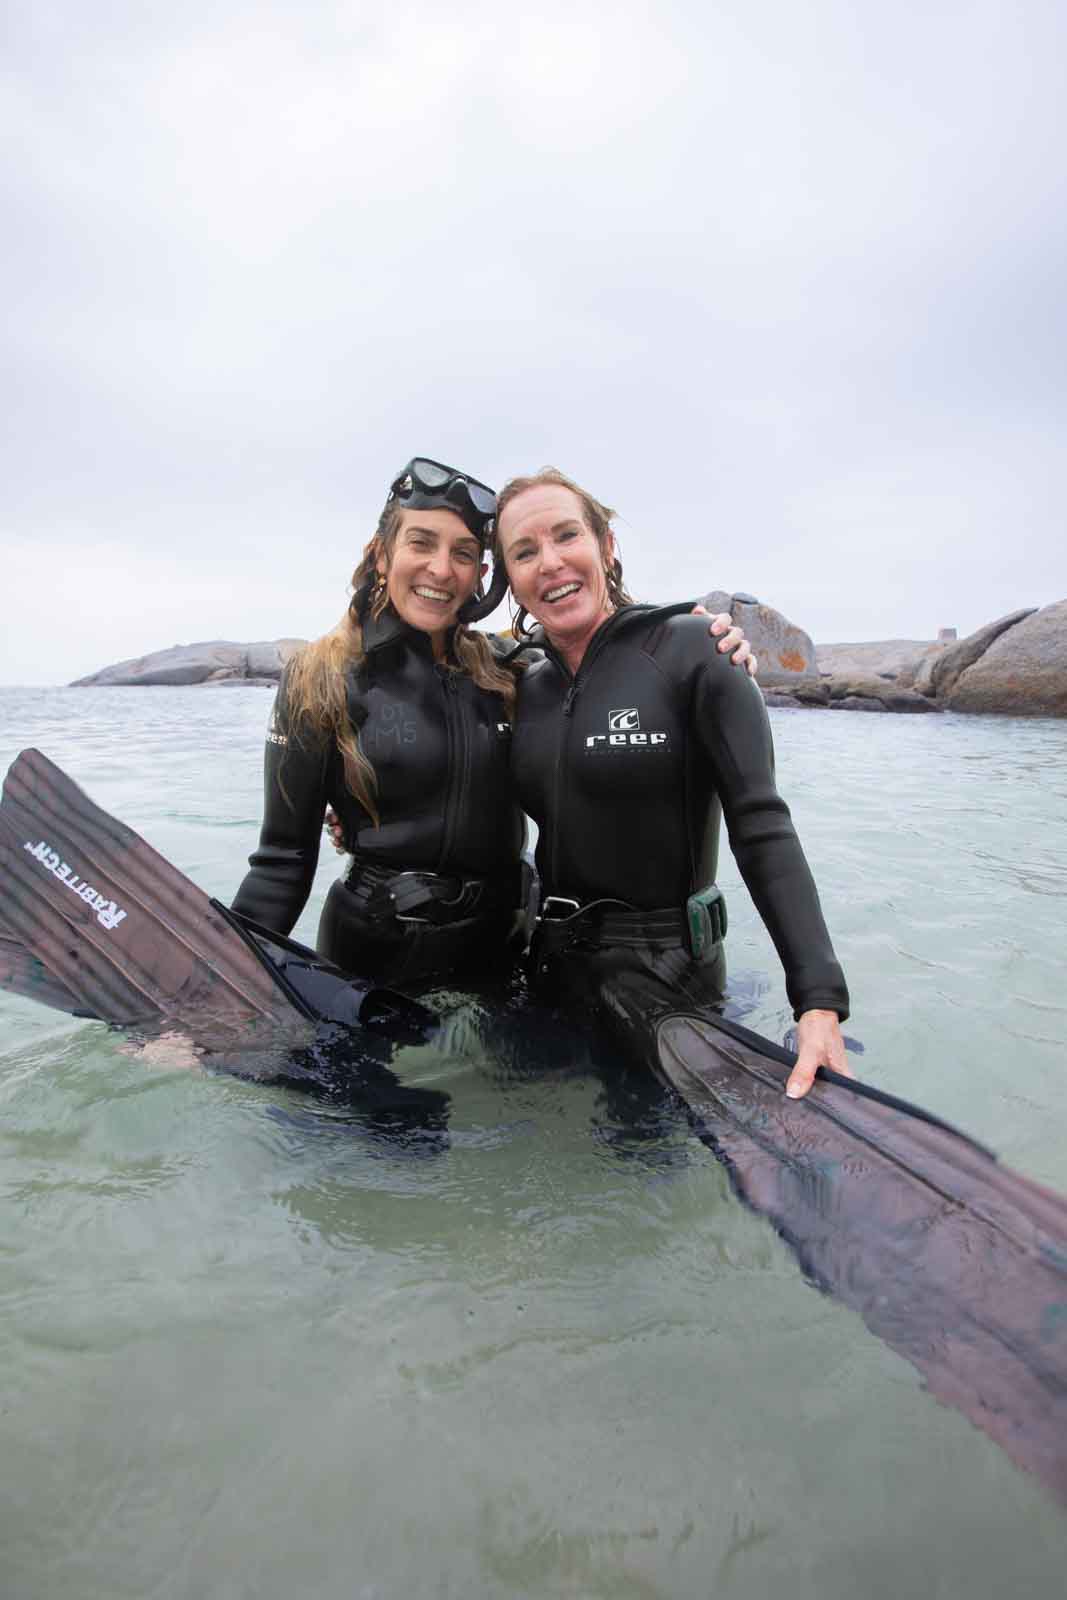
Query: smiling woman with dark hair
(400, 719)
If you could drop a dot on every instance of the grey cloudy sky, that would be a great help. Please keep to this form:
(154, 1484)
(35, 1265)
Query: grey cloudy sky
(783, 280)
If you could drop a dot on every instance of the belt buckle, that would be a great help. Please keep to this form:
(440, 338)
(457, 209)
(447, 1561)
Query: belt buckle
(467, 897)
(543, 914)
(411, 872)
(470, 892)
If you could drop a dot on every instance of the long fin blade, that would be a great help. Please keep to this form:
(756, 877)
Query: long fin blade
(23, 973)
(957, 1262)
(120, 928)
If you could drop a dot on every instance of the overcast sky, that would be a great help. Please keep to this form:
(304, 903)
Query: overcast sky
(782, 280)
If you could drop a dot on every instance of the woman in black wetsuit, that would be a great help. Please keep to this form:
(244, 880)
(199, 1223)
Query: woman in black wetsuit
(630, 739)
(400, 720)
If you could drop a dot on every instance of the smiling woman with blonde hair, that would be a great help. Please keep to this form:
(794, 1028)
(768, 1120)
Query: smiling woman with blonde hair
(631, 741)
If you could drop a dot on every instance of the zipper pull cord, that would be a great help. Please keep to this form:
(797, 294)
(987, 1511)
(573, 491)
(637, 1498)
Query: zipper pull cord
(568, 699)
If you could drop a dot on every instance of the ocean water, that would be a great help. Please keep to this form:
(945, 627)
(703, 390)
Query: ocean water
(251, 1348)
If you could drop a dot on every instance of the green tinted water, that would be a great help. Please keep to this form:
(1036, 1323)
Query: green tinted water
(250, 1350)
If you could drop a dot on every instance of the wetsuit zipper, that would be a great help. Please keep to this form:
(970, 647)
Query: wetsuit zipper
(568, 705)
(458, 753)
(577, 679)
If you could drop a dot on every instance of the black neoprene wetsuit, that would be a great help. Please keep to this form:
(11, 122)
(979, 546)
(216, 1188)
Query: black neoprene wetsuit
(439, 746)
(626, 767)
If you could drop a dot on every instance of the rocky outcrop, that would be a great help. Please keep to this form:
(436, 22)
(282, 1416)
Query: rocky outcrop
(858, 702)
(1014, 666)
(1023, 671)
(786, 653)
(957, 658)
(896, 659)
(886, 694)
(923, 680)
(217, 661)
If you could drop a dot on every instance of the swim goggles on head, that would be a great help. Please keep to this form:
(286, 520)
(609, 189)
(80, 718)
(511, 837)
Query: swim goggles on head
(426, 485)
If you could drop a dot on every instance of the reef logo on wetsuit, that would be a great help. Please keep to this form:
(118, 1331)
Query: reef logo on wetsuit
(624, 732)
(107, 912)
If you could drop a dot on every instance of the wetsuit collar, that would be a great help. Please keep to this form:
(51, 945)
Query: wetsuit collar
(389, 628)
(618, 622)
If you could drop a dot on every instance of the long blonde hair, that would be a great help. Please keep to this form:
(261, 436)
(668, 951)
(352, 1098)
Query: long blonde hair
(316, 678)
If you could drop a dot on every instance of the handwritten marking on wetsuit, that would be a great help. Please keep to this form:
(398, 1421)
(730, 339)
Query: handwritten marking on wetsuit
(107, 912)
(394, 723)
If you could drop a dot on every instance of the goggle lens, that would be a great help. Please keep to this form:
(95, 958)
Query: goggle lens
(430, 475)
(481, 498)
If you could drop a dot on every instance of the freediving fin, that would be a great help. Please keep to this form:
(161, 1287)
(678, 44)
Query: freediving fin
(325, 993)
(119, 929)
(957, 1262)
(99, 924)
(21, 972)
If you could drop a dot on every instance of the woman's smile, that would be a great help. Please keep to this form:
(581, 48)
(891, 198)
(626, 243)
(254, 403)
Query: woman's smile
(435, 566)
(555, 563)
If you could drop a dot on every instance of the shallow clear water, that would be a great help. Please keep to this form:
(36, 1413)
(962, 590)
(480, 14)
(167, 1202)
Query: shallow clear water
(249, 1349)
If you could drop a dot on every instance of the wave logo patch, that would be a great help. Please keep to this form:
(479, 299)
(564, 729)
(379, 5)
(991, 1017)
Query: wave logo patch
(624, 733)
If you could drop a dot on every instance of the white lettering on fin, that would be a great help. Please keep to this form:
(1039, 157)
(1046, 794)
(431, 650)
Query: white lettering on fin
(107, 912)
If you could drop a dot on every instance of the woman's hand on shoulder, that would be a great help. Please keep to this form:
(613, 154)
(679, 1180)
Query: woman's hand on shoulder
(819, 1044)
(731, 639)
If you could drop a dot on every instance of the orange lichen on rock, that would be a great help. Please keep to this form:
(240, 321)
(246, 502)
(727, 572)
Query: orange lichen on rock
(791, 661)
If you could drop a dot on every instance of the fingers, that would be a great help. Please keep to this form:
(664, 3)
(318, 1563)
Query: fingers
(803, 1075)
(739, 649)
(819, 1044)
(720, 622)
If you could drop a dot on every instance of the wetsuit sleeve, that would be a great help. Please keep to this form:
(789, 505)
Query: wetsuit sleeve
(282, 868)
(731, 726)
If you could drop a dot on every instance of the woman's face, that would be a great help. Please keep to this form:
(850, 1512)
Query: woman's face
(434, 567)
(555, 563)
